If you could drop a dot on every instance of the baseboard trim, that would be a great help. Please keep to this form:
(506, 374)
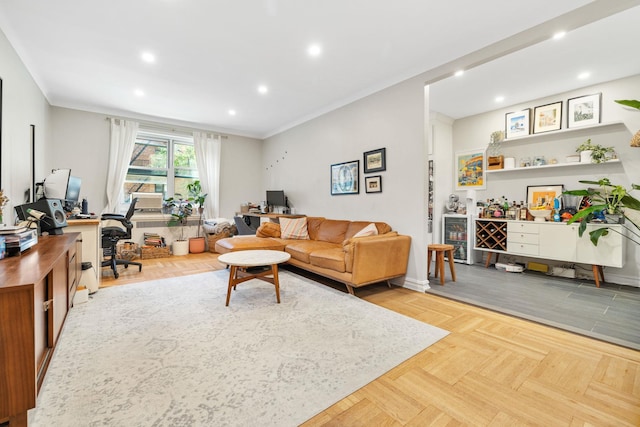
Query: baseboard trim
(414, 285)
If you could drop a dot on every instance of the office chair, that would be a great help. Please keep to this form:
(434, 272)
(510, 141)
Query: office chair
(112, 234)
(244, 225)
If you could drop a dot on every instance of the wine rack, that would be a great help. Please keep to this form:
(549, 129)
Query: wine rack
(491, 234)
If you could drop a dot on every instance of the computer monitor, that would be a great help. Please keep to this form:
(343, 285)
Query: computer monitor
(72, 196)
(276, 198)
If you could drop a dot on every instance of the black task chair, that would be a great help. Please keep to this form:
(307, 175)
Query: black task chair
(112, 234)
(245, 226)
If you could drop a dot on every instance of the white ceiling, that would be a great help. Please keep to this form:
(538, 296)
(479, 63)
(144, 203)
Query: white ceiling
(211, 55)
(606, 49)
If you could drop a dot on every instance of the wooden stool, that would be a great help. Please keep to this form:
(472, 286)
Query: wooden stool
(440, 249)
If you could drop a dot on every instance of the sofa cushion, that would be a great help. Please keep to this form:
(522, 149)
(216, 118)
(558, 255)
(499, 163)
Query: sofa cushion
(268, 229)
(356, 226)
(302, 249)
(332, 259)
(294, 228)
(313, 225)
(332, 230)
(240, 243)
(369, 230)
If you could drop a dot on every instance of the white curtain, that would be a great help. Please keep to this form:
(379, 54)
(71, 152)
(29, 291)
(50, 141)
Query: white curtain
(207, 149)
(123, 138)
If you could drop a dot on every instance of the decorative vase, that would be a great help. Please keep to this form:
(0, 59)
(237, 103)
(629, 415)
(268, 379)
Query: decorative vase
(614, 218)
(585, 156)
(196, 245)
(180, 247)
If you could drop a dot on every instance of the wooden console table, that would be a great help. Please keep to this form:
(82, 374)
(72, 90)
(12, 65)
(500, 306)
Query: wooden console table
(36, 292)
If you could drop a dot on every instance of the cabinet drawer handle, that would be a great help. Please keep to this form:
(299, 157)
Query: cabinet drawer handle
(47, 304)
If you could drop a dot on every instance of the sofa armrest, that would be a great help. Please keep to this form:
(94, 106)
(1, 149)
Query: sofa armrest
(377, 258)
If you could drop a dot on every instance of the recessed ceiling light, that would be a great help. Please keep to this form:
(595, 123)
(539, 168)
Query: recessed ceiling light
(458, 73)
(138, 92)
(232, 112)
(559, 35)
(263, 89)
(499, 98)
(314, 50)
(148, 57)
(583, 76)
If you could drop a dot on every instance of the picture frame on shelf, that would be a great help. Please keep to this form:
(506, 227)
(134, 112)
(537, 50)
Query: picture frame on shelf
(547, 117)
(583, 110)
(345, 178)
(470, 169)
(543, 195)
(375, 160)
(373, 184)
(518, 123)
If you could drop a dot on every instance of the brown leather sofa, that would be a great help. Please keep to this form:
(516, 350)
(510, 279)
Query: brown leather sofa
(333, 251)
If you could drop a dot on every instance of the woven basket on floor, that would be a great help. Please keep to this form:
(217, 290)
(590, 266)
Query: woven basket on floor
(213, 238)
(151, 252)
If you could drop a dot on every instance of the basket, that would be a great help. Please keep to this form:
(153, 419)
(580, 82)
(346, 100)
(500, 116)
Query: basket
(151, 252)
(127, 250)
(213, 238)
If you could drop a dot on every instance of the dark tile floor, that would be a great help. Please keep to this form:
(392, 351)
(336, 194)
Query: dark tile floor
(609, 313)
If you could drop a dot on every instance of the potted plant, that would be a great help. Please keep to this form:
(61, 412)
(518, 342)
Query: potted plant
(594, 153)
(181, 209)
(607, 199)
(197, 197)
(633, 103)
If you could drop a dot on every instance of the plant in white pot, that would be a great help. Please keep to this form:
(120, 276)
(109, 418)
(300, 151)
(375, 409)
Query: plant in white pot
(197, 197)
(606, 200)
(594, 153)
(181, 210)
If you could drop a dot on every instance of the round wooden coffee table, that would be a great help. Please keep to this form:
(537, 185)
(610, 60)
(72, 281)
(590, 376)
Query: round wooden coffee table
(241, 260)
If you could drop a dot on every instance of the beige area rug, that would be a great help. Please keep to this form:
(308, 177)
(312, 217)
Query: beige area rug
(169, 353)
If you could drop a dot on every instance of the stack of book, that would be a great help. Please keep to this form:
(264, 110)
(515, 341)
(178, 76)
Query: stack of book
(154, 239)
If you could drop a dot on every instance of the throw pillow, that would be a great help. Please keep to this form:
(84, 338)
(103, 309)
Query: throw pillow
(268, 229)
(369, 230)
(294, 228)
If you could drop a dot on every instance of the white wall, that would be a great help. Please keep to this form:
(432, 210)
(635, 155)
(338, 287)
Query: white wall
(298, 161)
(23, 105)
(81, 141)
(473, 132)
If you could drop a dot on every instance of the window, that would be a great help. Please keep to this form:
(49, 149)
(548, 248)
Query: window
(160, 164)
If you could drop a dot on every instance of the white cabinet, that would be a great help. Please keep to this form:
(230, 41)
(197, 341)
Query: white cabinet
(560, 242)
(611, 250)
(91, 239)
(523, 238)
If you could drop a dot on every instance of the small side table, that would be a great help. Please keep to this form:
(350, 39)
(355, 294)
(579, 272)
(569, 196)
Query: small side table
(241, 260)
(440, 249)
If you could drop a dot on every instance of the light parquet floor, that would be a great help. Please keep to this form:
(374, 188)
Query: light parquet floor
(492, 370)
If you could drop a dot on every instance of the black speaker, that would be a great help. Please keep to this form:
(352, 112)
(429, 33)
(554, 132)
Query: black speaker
(55, 217)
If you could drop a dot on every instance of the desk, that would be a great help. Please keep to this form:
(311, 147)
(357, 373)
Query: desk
(91, 239)
(36, 292)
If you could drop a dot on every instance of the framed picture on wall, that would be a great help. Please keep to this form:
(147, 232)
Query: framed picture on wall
(583, 111)
(375, 160)
(547, 117)
(344, 178)
(518, 123)
(469, 169)
(373, 184)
